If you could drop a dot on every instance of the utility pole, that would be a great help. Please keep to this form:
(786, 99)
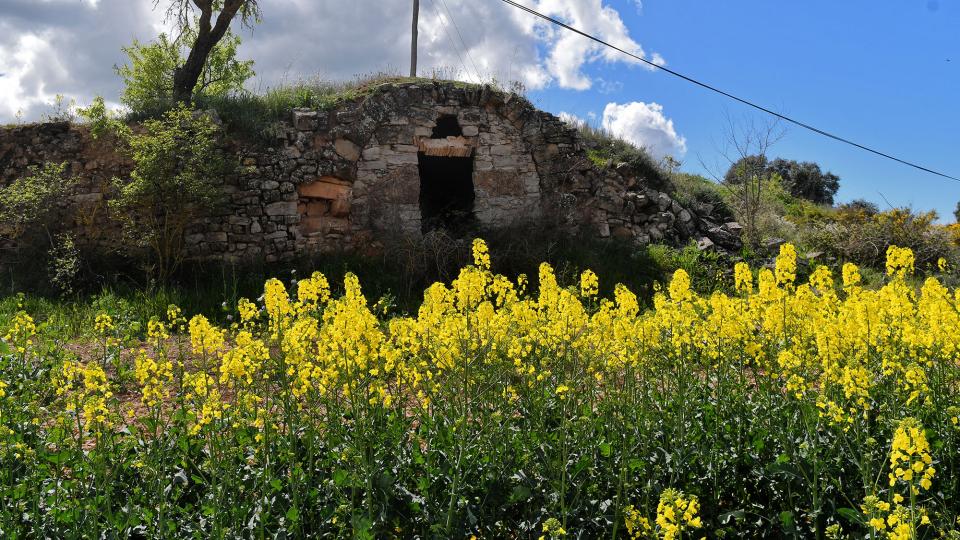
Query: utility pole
(413, 40)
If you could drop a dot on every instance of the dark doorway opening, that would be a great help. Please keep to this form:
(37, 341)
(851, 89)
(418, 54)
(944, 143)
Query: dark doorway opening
(446, 193)
(447, 126)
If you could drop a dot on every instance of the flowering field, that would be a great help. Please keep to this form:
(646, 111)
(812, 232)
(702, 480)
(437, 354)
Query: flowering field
(497, 411)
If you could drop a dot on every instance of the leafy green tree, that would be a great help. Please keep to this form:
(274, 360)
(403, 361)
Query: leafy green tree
(177, 169)
(802, 179)
(746, 168)
(956, 213)
(151, 70)
(806, 180)
(205, 32)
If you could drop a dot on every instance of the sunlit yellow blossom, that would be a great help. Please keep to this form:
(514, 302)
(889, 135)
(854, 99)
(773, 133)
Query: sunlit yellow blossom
(786, 265)
(481, 255)
(910, 459)
(205, 338)
(676, 513)
(247, 309)
(589, 284)
(899, 261)
(851, 275)
(742, 278)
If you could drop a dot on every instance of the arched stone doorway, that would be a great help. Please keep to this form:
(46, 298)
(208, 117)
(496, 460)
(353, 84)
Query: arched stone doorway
(445, 166)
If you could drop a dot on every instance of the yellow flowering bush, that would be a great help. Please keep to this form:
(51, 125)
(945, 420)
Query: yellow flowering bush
(499, 408)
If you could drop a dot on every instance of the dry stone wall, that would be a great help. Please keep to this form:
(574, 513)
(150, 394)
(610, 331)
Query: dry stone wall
(342, 178)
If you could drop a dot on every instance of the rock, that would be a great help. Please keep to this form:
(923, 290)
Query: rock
(733, 227)
(281, 208)
(664, 201)
(622, 233)
(774, 243)
(684, 216)
(705, 244)
(347, 149)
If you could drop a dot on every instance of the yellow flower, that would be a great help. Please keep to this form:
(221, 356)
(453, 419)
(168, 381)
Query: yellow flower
(589, 284)
(676, 513)
(481, 255)
(205, 338)
(910, 454)
(742, 278)
(899, 261)
(786, 265)
(851, 275)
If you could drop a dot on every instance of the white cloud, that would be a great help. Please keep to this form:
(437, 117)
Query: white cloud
(571, 119)
(644, 124)
(65, 47)
(69, 47)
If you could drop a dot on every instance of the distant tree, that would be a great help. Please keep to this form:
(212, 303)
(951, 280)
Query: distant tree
(207, 32)
(746, 147)
(860, 206)
(745, 168)
(151, 70)
(956, 213)
(806, 180)
(802, 179)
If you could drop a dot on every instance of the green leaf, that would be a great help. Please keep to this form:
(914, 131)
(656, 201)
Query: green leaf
(786, 517)
(850, 515)
(293, 515)
(606, 449)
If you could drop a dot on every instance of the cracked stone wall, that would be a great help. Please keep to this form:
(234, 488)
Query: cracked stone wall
(339, 179)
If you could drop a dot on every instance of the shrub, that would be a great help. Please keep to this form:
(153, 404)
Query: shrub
(860, 237)
(695, 191)
(177, 169)
(607, 150)
(30, 215)
(148, 75)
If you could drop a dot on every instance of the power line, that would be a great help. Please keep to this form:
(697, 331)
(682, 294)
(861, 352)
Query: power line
(466, 50)
(727, 94)
(446, 29)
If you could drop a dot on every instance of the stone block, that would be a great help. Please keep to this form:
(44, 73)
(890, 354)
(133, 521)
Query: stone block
(326, 187)
(502, 149)
(304, 119)
(498, 183)
(281, 208)
(347, 149)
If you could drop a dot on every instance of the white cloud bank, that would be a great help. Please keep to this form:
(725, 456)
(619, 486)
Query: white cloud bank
(69, 47)
(644, 124)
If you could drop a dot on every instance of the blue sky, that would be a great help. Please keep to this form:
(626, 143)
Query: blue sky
(875, 72)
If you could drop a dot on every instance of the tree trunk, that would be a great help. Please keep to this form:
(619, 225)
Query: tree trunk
(185, 77)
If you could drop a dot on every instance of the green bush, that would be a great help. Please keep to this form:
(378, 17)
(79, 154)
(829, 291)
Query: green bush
(856, 236)
(607, 150)
(693, 190)
(30, 218)
(148, 75)
(177, 169)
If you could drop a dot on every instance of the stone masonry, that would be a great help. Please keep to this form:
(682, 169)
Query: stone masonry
(338, 179)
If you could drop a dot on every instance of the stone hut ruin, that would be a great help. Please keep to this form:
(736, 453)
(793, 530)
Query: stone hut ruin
(404, 158)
